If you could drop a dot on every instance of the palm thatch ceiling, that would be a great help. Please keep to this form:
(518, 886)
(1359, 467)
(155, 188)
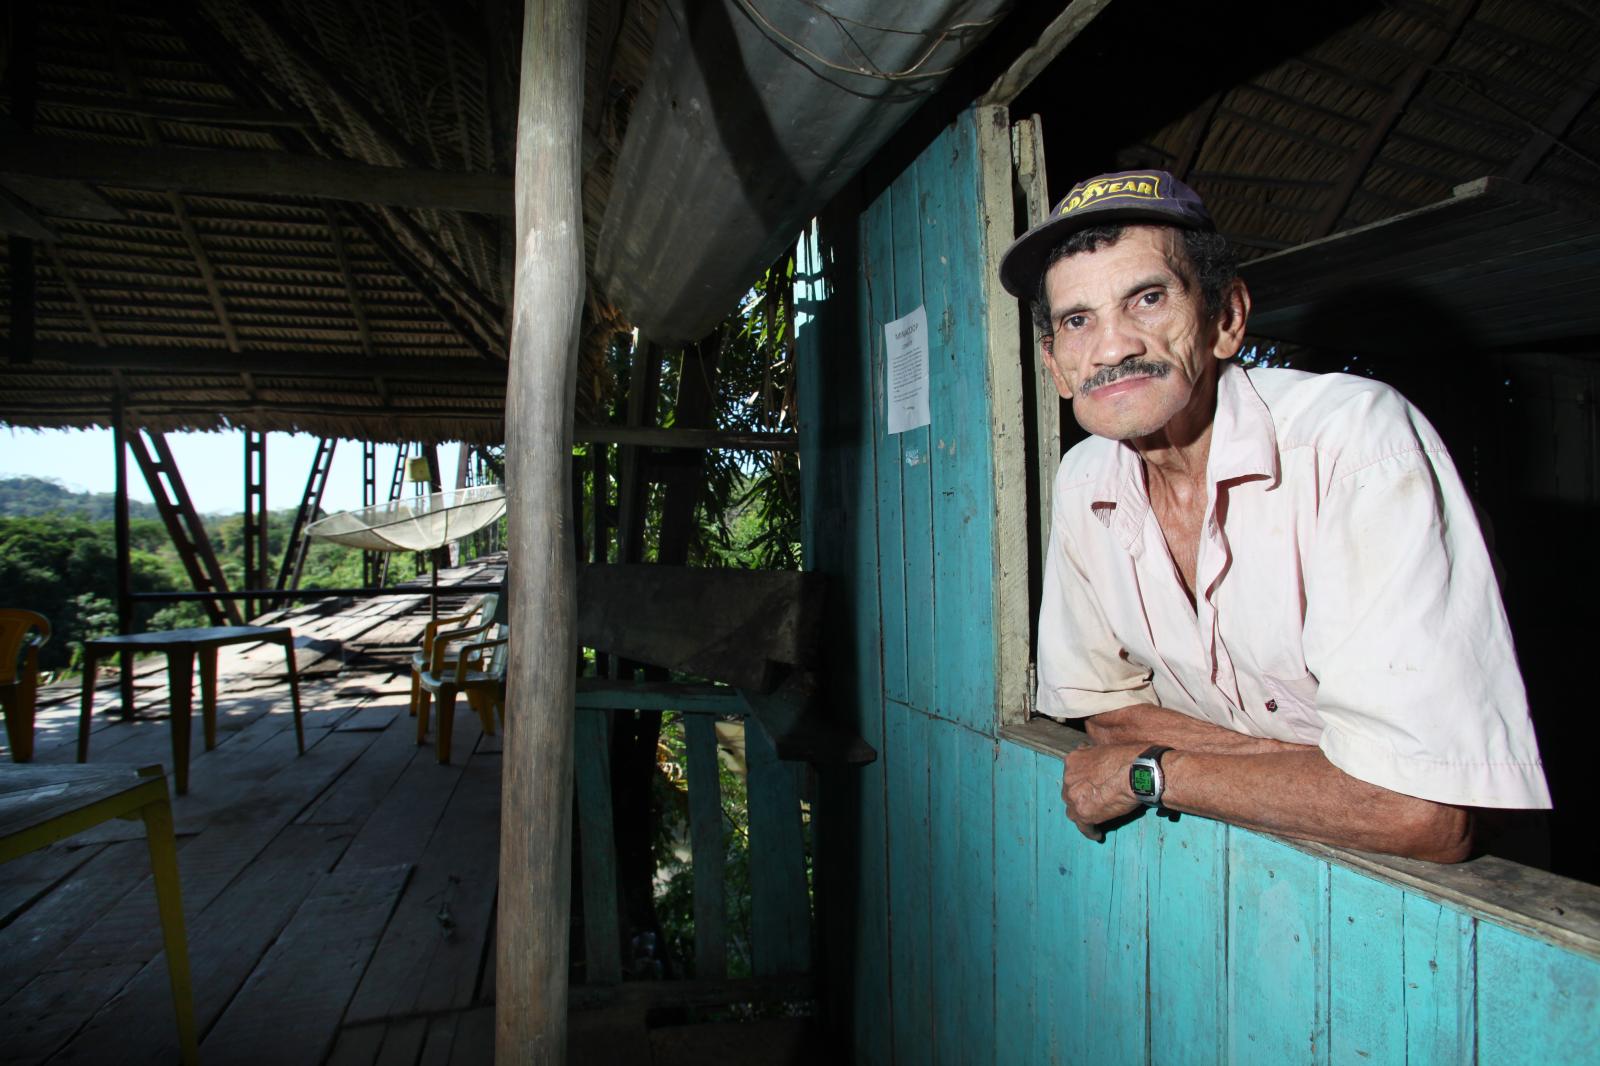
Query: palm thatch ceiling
(293, 214)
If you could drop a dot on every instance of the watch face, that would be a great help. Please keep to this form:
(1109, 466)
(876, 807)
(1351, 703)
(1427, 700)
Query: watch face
(1143, 780)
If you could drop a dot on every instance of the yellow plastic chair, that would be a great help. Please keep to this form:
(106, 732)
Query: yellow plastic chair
(479, 673)
(22, 634)
(440, 645)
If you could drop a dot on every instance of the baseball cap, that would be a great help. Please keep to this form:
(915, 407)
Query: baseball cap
(1125, 196)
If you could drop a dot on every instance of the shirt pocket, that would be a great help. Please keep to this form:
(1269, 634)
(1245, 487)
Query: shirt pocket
(1290, 708)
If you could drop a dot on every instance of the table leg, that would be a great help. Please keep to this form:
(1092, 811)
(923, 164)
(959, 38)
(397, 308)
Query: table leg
(208, 695)
(169, 903)
(294, 690)
(180, 687)
(86, 707)
(125, 682)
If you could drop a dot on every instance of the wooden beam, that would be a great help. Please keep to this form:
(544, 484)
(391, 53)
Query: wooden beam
(320, 366)
(164, 111)
(1355, 169)
(342, 253)
(1556, 124)
(248, 83)
(254, 173)
(1051, 43)
(536, 804)
(23, 310)
(64, 274)
(407, 266)
(681, 438)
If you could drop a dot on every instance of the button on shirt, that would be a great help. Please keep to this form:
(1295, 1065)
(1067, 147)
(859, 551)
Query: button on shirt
(1343, 594)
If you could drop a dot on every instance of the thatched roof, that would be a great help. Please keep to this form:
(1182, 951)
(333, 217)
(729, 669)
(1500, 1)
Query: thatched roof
(365, 294)
(212, 308)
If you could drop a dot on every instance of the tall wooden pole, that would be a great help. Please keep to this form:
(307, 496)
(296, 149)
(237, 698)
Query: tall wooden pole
(536, 806)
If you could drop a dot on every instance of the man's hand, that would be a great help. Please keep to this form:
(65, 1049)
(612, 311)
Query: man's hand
(1094, 786)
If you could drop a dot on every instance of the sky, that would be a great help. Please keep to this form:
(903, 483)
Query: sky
(212, 465)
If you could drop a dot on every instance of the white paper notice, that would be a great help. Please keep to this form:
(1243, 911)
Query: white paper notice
(906, 342)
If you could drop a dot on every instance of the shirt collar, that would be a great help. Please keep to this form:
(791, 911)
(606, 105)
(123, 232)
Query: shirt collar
(1244, 444)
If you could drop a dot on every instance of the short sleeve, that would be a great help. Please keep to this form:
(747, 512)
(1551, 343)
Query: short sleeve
(1083, 669)
(1419, 687)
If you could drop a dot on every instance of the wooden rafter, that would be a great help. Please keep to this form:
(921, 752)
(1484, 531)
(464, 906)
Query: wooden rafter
(255, 173)
(248, 83)
(166, 111)
(272, 16)
(180, 210)
(1196, 140)
(64, 274)
(1556, 124)
(1355, 168)
(296, 364)
(336, 235)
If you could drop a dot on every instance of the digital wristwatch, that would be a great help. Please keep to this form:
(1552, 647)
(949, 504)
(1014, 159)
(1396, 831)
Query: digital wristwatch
(1145, 777)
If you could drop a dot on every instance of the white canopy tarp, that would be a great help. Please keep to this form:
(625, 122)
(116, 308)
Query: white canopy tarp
(421, 523)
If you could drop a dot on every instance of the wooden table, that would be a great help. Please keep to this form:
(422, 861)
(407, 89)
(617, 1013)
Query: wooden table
(181, 646)
(40, 805)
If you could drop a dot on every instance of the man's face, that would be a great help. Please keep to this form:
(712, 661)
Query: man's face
(1132, 347)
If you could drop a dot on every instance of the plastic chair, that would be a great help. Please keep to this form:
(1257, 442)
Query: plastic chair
(22, 634)
(437, 652)
(481, 678)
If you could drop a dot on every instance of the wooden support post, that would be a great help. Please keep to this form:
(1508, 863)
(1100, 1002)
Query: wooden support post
(536, 806)
(371, 561)
(255, 518)
(119, 436)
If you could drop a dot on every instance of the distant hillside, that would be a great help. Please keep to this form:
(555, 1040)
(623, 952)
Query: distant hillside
(27, 497)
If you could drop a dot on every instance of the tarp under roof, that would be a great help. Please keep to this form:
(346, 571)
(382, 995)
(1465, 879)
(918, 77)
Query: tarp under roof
(754, 113)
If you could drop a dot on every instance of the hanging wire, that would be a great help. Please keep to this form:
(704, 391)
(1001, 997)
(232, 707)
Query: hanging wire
(866, 67)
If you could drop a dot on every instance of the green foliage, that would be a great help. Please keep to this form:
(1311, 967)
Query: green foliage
(674, 871)
(25, 497)
(750, 513)
(63, 564)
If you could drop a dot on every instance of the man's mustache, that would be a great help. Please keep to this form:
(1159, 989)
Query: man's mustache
(1131, 368)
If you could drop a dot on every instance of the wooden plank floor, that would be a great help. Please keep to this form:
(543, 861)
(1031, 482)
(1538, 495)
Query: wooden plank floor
(339, 904)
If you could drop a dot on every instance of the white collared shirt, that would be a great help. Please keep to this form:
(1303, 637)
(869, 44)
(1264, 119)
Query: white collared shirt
(1344, 597)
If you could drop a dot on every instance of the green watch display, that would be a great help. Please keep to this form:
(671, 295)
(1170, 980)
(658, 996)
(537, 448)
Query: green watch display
(1145, 777)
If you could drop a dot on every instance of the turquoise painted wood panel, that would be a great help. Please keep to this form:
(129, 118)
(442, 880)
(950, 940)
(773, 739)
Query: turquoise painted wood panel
(1188, 943)
(1537, 1003)
(1440, 974)
(911, 954)
(1061, 1034)
(1018, 1009)
(960, 459)
(916, 460)
(602, 936)
(622, 697)
(1112, 912)
(961, 827)
(780, 908)
(947, 878)
(1277, 960)
(878, 303)
(1366, 969)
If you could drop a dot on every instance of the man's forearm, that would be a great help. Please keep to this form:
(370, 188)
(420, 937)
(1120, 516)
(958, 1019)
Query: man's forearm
(1299, 793)
(1148, 723)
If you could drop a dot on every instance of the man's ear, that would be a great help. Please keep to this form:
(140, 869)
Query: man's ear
(1231, 320)
(1056, 376)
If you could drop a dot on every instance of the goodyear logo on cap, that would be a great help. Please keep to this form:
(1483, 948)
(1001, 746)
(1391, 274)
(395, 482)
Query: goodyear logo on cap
(1125, 187)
